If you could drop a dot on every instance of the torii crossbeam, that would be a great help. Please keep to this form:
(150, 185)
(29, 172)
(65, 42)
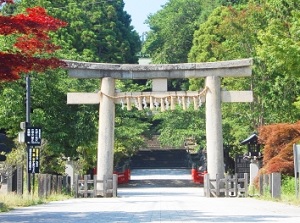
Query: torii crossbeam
(159, 73)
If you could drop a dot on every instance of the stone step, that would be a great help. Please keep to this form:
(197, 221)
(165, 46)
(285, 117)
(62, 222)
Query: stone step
(175, 158)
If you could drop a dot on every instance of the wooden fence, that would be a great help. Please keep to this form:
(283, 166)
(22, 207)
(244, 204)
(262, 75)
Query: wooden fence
(50, 184)
(84, 186)
(270, 183)
(229, 186)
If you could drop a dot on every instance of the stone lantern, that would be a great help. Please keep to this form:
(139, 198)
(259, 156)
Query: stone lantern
(254, 155)
(253, 147)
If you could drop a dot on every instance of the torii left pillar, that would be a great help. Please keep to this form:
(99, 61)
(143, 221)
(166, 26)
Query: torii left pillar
(106, 138)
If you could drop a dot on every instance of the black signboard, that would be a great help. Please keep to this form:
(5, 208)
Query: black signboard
(33, 160)
(33, 136)
(242, 165)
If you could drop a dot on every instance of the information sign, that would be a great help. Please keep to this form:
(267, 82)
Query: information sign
(33, 136)
(242, 165)
(297, 159)
(297, 168)
(33, 160)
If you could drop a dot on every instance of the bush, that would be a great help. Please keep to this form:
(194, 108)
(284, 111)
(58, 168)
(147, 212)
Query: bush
(288, 186)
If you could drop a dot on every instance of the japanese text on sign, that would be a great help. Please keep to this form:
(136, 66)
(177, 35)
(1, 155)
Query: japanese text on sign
(33, 160)
(33, 136)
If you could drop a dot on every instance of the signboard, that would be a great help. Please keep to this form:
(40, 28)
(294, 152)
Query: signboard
(297, 168)
(33, 136)
(297, 159)
(241, 165)
(33, 165)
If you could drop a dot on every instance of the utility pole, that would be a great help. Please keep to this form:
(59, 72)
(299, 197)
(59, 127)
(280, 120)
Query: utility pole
(28, 110)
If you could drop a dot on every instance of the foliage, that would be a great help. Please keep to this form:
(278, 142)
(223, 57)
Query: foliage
(249, 30)
(175, 126)
(169, 41)
(98, 30)
(278, 140)
(288, 186)
(172, 29)
(95, 32)
(130, 129)
(31, 47)
(288, 192)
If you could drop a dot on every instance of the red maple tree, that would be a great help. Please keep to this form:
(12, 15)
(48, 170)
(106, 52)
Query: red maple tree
(32, 48)
(278, 140)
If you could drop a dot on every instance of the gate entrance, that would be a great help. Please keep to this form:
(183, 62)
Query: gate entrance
(211, 94)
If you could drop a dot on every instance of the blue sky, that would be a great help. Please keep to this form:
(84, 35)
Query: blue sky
(139, 11)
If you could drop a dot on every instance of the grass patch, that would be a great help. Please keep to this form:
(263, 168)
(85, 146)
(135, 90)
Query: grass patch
(288, 192)
(12, 200)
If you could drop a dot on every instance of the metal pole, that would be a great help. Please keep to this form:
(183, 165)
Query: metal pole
(28, 108)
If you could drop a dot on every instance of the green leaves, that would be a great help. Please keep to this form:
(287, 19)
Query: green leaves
(269, 33)
(96, 31)
(175, 126)
(172, 29)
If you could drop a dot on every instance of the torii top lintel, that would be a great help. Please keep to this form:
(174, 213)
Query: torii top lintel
(232, 68)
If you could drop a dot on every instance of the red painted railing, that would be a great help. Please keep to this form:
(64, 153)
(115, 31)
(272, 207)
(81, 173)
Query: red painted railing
(198, 177)
(123, 177)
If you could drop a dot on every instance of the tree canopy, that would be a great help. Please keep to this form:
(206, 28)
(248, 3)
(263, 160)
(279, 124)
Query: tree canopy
(257, 29)
(172, 29)
(95, 32)
(26, 44)
(278, 141)
(265, 30)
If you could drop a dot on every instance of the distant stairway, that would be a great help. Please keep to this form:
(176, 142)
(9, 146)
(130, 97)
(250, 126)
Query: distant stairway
(160, 159)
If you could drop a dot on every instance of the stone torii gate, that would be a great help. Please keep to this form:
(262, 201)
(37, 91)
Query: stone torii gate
(212, 95)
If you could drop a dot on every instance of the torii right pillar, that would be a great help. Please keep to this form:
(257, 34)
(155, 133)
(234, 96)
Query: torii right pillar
(214, 135)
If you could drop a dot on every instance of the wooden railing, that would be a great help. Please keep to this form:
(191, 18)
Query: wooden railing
(229, 186)
(270, 184)
(87, 187)
(50, 184)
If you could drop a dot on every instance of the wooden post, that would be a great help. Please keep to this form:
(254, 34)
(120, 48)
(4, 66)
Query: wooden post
(76, 185)
(246, 184)
(59, 184)
(276, 185)
(115, 185)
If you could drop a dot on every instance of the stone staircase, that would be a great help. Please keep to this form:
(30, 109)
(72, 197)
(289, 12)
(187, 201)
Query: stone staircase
(160, 159)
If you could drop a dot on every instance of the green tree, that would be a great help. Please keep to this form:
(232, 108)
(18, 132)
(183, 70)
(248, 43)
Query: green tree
(259, 30)
(172, 29)
(98, 31)
(178, 125)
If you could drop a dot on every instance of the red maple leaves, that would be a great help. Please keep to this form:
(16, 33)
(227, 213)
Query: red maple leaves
(278, 150)
(32, 48)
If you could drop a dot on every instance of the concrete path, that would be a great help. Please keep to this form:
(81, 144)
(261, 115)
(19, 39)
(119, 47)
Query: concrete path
(156, 204)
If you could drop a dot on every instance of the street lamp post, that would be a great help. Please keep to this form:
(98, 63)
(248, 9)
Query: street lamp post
(28, 108)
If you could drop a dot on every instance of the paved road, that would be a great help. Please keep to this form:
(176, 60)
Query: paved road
(156, 204)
